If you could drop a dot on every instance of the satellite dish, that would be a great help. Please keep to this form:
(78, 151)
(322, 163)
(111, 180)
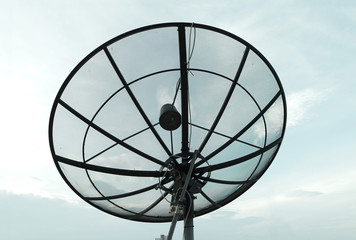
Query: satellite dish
(167, 122)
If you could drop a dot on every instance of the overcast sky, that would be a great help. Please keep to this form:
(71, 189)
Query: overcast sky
(309, 191)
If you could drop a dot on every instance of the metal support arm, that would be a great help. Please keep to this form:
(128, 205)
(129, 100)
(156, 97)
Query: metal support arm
(181, 198)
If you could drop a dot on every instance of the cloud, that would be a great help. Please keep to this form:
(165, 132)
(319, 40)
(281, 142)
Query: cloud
(288, 212)
(261, 206)
(307, 200)
(301, 103)
(299, 193)
(43, 218)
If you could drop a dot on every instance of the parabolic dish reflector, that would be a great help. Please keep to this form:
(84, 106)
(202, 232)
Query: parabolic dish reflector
(104, 129)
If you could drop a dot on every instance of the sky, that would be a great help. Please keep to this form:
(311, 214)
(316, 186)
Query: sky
(307, 193)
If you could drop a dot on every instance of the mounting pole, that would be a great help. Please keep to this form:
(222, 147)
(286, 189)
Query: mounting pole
(180, 200)
(189, 213)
